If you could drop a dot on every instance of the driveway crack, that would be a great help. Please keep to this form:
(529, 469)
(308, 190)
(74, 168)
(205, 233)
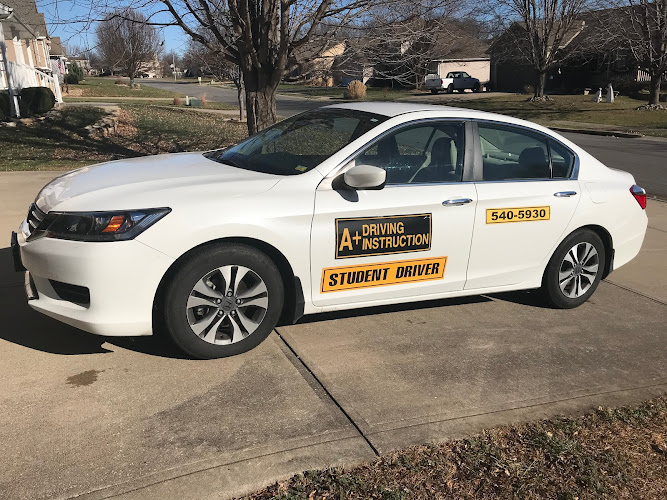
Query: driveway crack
(321, 386)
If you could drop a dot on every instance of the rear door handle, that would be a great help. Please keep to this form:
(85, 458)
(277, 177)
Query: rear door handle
(457, 202)
(565, 194)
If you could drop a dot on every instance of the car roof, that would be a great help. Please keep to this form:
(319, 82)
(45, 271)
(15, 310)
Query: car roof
(393, 109)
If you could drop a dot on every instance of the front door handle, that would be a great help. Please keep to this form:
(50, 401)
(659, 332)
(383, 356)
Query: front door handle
(457, 202)
(565, 194)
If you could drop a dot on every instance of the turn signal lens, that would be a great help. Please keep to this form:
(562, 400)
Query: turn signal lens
(114, 224)
(640, 195)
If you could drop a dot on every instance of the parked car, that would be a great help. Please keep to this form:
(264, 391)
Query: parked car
(455, 80)
(346, 206)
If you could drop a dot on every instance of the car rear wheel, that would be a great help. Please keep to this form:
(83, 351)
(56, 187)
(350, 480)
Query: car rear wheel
(476, 87)
(575, 270)
(434, 91)
(223, 300)
(450, 88)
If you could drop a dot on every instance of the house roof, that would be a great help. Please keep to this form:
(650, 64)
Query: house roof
(453, 42)
(56, 47)
(27, 21)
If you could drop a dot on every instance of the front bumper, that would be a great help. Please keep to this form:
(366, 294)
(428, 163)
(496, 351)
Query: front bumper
(122, 278)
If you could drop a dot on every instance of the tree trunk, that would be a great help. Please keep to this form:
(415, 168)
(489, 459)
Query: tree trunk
(654, 93)
(240, 93)
(540, 83)
(260, 98)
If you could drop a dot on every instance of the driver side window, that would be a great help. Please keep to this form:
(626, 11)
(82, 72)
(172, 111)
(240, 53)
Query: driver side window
(420, 154)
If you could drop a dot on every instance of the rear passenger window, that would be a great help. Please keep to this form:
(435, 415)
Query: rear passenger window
(512, 153)
(562, 161)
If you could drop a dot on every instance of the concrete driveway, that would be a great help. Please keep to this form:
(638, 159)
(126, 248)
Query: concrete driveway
(90, 417)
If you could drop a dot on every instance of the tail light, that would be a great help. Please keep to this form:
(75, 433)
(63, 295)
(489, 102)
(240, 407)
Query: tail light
(442, 82)
(640, 195)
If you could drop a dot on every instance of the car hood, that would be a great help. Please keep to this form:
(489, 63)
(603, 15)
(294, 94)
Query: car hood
(148, 182)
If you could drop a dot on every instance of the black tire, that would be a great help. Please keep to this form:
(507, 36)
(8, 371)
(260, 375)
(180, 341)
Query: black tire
(476, 88)
(450, 88)
(551, 285)
(434, 91)
(192, 271)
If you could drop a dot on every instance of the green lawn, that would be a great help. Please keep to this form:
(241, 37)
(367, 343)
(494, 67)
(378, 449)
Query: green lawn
(372, 93)
(610, 453)
(143, 129)
(107, 87)
(621, 115)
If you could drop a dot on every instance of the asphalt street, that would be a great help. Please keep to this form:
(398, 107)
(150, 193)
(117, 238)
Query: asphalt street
(645, 158)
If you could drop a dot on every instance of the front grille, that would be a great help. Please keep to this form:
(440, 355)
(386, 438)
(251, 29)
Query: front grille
(72, 293)
(35, 216)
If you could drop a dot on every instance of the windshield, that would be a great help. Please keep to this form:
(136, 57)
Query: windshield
(300, 143)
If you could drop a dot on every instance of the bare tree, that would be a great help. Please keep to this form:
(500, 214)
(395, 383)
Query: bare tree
(126, 40)
(211, 62)
(541, 37)
(259, 36)
(401, 45)
(647, 39)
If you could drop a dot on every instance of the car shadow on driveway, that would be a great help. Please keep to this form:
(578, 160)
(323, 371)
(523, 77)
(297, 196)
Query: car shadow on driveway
(410, 306)
(21, 325)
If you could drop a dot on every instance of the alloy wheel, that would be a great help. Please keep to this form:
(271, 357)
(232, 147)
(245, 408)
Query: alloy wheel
(578, 270)
(227, 305)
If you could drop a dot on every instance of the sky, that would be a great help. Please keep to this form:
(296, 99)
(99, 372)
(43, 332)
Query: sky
(74, 22)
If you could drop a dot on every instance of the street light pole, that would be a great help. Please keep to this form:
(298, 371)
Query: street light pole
(5, 14)
(173, 64)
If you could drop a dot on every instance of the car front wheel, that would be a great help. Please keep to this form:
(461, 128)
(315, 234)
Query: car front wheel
(223, 300)
(575, 270)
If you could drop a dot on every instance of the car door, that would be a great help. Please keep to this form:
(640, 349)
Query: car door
(409, 239)
(466, 80)
(527, 194)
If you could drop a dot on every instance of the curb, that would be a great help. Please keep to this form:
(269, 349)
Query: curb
(607, 133)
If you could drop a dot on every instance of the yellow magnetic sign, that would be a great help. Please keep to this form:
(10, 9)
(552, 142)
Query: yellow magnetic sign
(335, 279)
(521, 214)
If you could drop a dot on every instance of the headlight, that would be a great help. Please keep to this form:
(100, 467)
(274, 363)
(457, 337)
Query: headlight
(98, 226)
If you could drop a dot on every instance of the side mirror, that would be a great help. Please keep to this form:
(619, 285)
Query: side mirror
(365, 177)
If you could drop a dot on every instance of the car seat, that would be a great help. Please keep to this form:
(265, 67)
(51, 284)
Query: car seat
(533, 163)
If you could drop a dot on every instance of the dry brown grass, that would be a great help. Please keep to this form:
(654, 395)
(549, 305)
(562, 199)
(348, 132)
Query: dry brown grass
(178, 101)
(610, 453)
(355, 90)
(204, 101)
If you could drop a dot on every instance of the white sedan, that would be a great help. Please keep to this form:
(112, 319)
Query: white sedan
(345, 206)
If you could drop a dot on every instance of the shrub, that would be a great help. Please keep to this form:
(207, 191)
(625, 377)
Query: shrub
(178, 101)
(5, 108)
(355, 90)
(71, 79)
(204, 101)
(119, 81)
(36, 100)
(627, 85)
(76, 73)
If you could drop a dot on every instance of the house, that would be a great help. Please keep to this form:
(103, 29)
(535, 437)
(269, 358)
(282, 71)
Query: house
(84, 63)
(25, 35)
(595, 56)
(459, 51)
(152, 68)
(58, 59)
(313, 63)
(25, 59)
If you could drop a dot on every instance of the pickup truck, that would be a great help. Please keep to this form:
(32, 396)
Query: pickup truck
(455, 80)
